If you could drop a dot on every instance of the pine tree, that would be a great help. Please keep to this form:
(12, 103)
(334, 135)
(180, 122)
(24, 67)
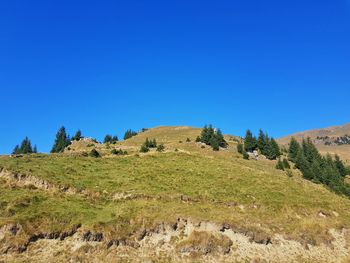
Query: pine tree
(108, 139)
(61, 142)
(250, 143)
(214, 143)
(286, 164)
(130, 133)
(77, 136)
(205, 135)
(212, 137)
(220, 139)
(273, 150)
(310, 151)
(16, 150)
(114, 139)
(263, 142)
(35, 149)
(26, 146)
(293, 150)
(340, 166)
(279, 165)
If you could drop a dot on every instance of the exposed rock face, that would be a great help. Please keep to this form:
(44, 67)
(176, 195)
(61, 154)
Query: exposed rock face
(183, 241)
(23, 180)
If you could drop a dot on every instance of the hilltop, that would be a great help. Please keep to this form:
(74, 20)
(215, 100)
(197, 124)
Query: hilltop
(186, 203)
(333, 140)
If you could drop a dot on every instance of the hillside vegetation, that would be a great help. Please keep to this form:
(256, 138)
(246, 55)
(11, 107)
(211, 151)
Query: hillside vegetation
(110, 207)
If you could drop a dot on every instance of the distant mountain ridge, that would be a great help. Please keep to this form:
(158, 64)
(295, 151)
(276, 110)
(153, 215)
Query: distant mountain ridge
(333, 140)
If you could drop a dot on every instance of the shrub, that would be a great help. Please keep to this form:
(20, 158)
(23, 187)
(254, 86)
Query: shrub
(160, 148)
(240, 148)
(286, 164)
(188, 140)
(144, 148)
(245, 155)
(119, 152)
(94, 153)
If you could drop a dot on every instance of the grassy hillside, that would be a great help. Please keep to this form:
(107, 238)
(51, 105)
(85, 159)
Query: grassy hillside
(120, 194)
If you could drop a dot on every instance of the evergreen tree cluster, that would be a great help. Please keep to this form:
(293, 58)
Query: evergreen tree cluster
(317, 168)
(266, 145)
(110, 139)
(212, 137)
(145, 147)
(129, 133)
(61, 142)
(25, 147)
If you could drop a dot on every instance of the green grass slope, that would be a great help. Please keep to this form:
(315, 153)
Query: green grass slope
(119, 194)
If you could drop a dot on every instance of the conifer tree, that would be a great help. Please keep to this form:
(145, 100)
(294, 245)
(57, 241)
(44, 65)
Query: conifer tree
(115, 139)
(24, 148)
(273, 151)
(293, 150)
(310, 151)
(279, 165)
(286, 164)
(16, 150)
(219, 137)
(77, 136)
(263, 142)
(108, 139)
(61, 142)
(129, 133)
(214, 143)
(250, 142)
(340, 166)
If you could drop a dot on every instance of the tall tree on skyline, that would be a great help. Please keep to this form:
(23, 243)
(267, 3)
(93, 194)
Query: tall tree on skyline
(61, 142)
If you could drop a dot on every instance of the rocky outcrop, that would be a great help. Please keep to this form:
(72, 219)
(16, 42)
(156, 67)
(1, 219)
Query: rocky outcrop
(182, 241)
(24, 180)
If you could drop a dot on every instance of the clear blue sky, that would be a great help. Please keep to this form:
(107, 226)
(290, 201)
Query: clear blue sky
(106, 66)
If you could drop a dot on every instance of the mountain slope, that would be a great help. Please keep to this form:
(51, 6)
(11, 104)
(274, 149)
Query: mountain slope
(185, 204)
(326, 140)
